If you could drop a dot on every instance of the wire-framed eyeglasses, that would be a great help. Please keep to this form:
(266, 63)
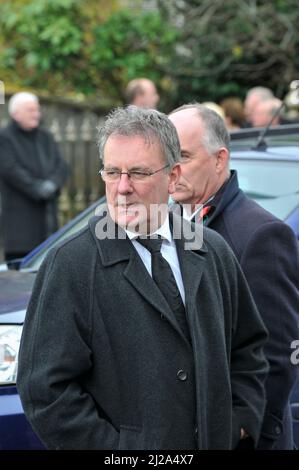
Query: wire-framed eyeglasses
(110, 176)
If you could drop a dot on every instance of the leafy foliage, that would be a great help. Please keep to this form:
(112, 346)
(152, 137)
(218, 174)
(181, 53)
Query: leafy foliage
(192, 49)
(228, 47)
(128, 46)
(62, 47)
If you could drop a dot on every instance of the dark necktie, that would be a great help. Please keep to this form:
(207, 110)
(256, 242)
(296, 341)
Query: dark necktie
(164, 278)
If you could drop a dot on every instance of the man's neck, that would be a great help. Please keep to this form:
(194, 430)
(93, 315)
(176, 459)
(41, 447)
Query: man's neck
(211, 194)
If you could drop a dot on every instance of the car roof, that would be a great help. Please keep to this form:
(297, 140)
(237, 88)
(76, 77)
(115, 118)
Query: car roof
(284, 137)
(278, 153)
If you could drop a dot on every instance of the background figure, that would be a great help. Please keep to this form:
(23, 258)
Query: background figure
(142, 92)
(215, 107)
(265, 246)
(233, 113)
(31, 174)
(265, 111)
(132, 338)
(290, 113)
(253, 97)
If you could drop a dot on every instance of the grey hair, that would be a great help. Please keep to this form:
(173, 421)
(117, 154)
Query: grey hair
(216, 134)
(18, 99)
(150, 124)
(262, 92)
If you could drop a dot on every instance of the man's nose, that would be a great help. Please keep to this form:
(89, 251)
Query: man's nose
(124, 184)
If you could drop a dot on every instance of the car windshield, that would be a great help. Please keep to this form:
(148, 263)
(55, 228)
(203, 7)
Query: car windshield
(272, 184)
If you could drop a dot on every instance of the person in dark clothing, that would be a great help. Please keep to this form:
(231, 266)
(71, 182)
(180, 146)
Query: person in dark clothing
(265, 246)
(110, 360)
(32, 172)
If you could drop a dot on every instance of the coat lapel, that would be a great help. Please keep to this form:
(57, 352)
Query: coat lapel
(140, 279)
(114, 250)
(191, 257)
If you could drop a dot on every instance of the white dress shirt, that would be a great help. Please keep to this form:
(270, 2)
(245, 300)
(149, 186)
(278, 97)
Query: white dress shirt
(168, 251)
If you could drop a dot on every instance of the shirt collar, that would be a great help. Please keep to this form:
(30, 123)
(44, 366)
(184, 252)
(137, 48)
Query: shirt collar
(215, 198)
(194, 214)
(164, 231)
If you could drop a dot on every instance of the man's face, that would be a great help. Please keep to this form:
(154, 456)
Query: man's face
(134, 204)
(199, 178)
(150, 95)
(250, 104)
(28, 115)
(260, 115)
(148, 98)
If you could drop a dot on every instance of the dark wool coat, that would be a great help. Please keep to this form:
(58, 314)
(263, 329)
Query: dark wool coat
(267, 251)
(27, 158)
(104, 365)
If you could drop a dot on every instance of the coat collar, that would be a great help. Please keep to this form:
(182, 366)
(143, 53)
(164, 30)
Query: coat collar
(14, 127)
(114, 246)
(120, 249)
(230, 191)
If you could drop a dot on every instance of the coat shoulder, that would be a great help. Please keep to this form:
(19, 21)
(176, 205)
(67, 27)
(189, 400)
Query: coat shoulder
(246, 211)
(46, 133)
(214, 240)
(243, 220)
(76, 250)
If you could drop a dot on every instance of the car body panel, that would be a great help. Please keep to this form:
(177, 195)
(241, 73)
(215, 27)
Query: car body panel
(15, 431)
(15, 291)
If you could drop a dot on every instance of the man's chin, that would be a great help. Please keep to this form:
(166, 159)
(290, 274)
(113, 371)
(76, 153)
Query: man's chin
(180, 196)
(133, 224)
(126, 219)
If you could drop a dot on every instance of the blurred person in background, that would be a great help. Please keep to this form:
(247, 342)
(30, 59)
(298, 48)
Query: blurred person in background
(215, 107)
(32, 172)
(290, 113)
(233, 113)
(142, 92)
(255, 96)
(265, 111)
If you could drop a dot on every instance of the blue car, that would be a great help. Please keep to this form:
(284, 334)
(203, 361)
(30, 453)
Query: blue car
(268, 173)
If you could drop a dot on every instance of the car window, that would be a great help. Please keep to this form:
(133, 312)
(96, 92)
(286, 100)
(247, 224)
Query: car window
(272, 184)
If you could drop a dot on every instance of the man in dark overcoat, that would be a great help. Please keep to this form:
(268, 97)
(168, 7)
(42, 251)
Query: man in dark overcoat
(265, 247)
(108, 360)
(32, 172)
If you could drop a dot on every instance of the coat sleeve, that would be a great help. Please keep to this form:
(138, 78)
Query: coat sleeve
(60, 172)
(55, 354)
(249, 366)
(270, 264)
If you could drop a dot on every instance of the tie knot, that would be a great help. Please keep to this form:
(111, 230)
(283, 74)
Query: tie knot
(151, 244)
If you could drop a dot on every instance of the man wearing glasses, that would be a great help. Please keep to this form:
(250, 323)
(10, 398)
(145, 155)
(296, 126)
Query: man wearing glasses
(132, 340)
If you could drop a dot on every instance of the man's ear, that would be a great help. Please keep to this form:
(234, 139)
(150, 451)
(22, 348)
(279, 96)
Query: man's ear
(174, 177)
(222, 159)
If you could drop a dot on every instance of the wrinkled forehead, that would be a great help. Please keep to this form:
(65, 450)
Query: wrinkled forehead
(147, 139)
(133, 146)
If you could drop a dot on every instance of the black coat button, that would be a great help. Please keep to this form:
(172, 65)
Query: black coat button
(182, 375)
